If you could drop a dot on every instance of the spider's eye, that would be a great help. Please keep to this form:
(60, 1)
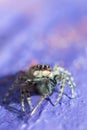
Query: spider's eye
(45, 66)
(40, 67)
(48, 66)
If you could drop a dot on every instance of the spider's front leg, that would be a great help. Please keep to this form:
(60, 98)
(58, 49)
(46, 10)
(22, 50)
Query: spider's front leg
(60, 92)
(65, 77)
(24, 90)
(28, 98)
(70, 81)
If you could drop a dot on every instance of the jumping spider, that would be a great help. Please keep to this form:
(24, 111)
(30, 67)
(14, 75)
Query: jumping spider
(41, 79)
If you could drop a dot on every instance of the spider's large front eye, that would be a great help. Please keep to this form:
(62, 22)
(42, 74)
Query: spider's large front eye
(36, 73)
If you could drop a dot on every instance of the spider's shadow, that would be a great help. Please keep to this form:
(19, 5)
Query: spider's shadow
(14, 97)
(5, 82)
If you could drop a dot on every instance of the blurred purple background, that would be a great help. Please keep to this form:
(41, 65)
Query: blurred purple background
(48, 32)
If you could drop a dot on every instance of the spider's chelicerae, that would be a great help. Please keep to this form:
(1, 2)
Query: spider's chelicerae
(41, 79)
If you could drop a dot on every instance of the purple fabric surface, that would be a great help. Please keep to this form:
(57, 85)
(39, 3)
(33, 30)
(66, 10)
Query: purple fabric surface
(46, 32)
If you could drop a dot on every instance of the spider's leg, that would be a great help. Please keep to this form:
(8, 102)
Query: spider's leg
(23, 92)
(28, 98)
(10, 90)
(22, 98)
(71, 83)
(62, 84)
(40, 101)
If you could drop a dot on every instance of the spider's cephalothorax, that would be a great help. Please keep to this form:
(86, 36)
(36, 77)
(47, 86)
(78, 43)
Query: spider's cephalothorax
(42, 79)
(39, 70)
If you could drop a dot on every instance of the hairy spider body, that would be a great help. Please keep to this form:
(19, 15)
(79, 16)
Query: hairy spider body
(42, 79)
